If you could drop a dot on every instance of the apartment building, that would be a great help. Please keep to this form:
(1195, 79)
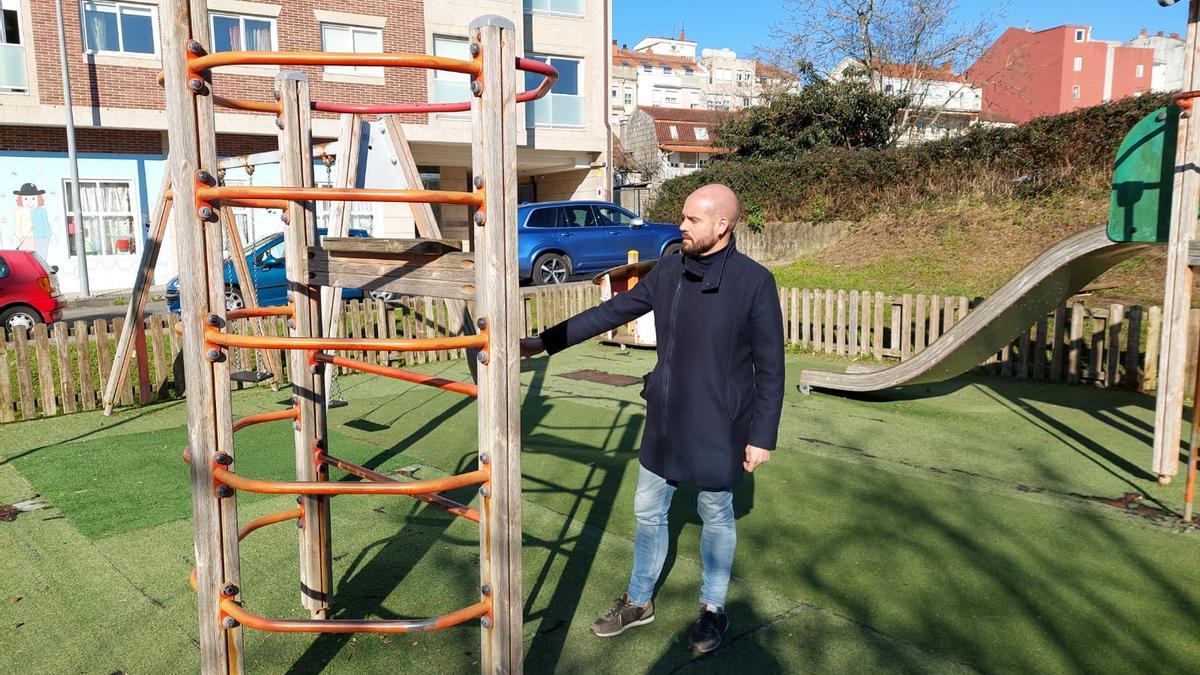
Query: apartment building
(1167, 73)
(941, 102)
(1027, 73)
(114, 53)
(663, 143)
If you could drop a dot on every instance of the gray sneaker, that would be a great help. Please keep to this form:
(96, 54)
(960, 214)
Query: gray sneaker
(623, 615)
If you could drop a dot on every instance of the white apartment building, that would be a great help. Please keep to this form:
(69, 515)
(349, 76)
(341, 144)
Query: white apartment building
(942, 103)
(1167, 71)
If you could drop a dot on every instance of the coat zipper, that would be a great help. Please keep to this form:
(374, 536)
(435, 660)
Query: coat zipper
(670, 355)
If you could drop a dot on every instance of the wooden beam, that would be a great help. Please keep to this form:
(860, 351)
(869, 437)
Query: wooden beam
(241, 270)
(1177, 295)
(200, 259)
(382, 248)
(308, 388)
(497, 301)
(135, 312)
(332, 148)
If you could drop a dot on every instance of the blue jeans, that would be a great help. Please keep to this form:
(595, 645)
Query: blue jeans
(718, 538)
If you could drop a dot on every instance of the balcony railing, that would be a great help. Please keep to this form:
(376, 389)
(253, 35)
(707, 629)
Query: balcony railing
(12, 68)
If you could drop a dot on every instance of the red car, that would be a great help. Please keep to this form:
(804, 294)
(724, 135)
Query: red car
(28, 290)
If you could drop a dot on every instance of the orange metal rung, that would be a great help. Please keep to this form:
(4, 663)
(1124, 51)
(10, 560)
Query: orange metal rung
(243, 192)
(281, 487)
(201, 64)
(434, 499)
(250, 620)
(251, 312)
(217, 337)
(272, 416)
(399, 374)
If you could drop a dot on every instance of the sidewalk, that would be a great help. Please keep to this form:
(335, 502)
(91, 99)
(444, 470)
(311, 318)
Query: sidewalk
(108, 298)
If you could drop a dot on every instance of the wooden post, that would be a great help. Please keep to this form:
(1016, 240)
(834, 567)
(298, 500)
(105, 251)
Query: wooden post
(140, 295)
(1116, 316)
(1074, 355)
(852, 329)
(795, 316)
(1177, 296)
(1153, 342)
(805, 319)
(1133, 348)
(200, 258)
(919, 324)
(906, 323)
(249, 292)
(308, 388)
(877, 338)
(1056, 348)
(494, 159)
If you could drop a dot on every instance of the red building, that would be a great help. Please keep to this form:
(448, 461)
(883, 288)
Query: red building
(1027, 74)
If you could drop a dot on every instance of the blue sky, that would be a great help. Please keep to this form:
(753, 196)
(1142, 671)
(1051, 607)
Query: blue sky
(743, 24)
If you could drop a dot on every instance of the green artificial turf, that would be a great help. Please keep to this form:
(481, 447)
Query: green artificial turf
(943, 529)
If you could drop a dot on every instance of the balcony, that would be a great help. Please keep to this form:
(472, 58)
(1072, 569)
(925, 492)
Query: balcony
(12, 68)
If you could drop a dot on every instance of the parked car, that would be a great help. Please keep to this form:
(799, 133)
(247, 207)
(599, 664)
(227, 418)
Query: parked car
(265, 259)
(557, 240)
(28, 290)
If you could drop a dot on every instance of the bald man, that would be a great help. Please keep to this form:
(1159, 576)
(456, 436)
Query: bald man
(712, 401)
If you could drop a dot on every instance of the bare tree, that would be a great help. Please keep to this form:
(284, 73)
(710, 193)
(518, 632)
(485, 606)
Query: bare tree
(904, 41)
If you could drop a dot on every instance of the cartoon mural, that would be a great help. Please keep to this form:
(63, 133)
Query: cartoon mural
(31, 226)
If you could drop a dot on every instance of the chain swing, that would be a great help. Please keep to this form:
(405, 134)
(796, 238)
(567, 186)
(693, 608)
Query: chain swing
(334, 398)
(259, 373)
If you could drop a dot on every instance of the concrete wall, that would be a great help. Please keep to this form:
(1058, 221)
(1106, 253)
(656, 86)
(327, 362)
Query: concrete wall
(785, 242)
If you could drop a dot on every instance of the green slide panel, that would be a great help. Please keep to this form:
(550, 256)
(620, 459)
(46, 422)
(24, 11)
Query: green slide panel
(1143, 178)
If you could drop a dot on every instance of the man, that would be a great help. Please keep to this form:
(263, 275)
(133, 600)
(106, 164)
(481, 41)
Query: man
(712, 402)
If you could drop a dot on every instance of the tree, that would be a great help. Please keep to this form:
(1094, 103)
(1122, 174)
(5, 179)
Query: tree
(911, 38)
(827, 113)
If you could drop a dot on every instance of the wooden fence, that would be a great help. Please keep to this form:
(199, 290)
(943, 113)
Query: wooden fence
(62, 368)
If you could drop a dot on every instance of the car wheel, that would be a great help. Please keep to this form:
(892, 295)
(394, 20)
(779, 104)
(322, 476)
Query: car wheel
(19, 317)
(551, 268)
(672, 249)
(233, 299)
(382, 296)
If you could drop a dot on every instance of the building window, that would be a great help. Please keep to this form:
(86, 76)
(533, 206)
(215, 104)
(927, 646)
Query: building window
(701, 133)
(674, 132)
(672, 98)
(12, 51)
(356, 39)
(108, 217)
(119, 27)
(1079, 34)
(235, 32)
(564, 104)
(666, 70)
(1075, 92)
(647, 68)
(628, 98)
(573, 7)
(362, 214)
(1078, 63)
(1141, 71)
(614, 92)
(451, 87)
(888, 89)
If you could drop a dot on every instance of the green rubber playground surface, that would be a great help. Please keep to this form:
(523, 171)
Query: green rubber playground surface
(977, 525)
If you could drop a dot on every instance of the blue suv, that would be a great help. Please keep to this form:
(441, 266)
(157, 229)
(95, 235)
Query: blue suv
(265, 259)
(556, 240)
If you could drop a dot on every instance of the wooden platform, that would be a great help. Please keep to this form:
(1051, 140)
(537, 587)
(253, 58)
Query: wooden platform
(433, 267)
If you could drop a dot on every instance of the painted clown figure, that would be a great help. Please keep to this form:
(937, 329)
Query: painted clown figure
(31, 226)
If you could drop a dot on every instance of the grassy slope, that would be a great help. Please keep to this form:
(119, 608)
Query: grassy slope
(924, 534)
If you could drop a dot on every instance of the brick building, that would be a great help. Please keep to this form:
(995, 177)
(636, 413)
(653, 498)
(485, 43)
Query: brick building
(114, 53)
(663, 143)
(1027, 74)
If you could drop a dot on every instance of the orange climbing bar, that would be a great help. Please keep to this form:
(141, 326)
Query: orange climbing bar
(270, 519)
(434, 499)
(282, 487)
(399, 374)
(251, 312)
(198, 65)
(217, 337)
(271, 416)
(248, 619)
(242, 192)
(258, 203)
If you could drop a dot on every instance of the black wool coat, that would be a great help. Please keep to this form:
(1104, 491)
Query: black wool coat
(718, 384)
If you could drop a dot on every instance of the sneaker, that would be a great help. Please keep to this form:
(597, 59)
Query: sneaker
(623, 615)
(708, 630)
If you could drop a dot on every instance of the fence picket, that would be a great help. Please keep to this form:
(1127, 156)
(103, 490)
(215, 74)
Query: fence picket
(27, 400)
(66, 375)
(7, 413)
(45, 366)
(852, 329)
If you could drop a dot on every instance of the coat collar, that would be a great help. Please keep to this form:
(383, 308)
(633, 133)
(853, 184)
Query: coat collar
(716, 272)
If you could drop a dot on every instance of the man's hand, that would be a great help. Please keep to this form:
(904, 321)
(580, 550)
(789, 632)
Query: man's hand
(531, 347)
(755, 456)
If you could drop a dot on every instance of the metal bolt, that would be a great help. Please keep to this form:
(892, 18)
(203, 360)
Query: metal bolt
(216, 355)
(1184, 115)
(482, 357)
(204, 177)
(285, 217)
(482, 323)
(215, 321)
(322, 468)
(295, 399)
(319, 443)
(196, 84)
(485, 622)
(476, 88)
(291, 323)
(478, 218)
(207, 214)
(223, 458)
(485, 458)
(296, 425)
(224, 491)
(486, 590)
(478, 182)
(474, 49)
(1162, 116)
(299, 500)
(279, 122)
(315, 369)
(229, 590)
(229, 622)
(484, 491)
(276, 95)
(194, 48)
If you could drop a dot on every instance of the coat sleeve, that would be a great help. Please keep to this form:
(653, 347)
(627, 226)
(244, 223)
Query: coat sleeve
(766, 352)
(617, 311)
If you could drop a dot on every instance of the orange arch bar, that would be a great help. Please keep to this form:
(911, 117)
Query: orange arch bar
(250, 312)
(245, 192)
(258, 622)
(217, 337)
(269, 519)
(272, 416)
(201, 64)
(400, 374)
(281, 487)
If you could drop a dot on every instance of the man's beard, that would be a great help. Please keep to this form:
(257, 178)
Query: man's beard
(698, 247)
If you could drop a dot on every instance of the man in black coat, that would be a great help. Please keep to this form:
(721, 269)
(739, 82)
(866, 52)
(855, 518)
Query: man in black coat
(713, 401)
